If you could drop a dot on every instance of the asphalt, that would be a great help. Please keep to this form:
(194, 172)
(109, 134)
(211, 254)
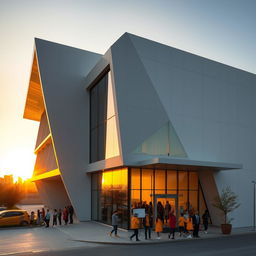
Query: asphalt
(86, 235)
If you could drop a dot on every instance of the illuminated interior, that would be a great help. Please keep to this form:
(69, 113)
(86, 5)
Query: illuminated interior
(128, 188)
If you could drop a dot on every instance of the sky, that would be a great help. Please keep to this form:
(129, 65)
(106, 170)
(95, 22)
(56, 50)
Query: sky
(222, 30)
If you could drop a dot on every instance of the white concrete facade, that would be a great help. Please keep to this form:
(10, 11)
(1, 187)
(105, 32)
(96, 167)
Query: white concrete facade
(210, 106)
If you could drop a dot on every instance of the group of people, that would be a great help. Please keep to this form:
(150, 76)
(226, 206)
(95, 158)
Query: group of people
(58, 215)
(187, 224)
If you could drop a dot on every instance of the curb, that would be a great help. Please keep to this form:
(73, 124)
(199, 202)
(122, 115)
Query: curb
(152, 242)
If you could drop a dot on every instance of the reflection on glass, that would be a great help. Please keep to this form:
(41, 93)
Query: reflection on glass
(176, 147)
(112, 195)
(135, 178)
(109, 189)
(103, 127)
(112, 146)
(111, 103)
(157, 144)
(98, 111)
(164, 141)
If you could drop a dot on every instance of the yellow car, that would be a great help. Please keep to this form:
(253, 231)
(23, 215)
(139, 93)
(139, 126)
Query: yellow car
(14, 218)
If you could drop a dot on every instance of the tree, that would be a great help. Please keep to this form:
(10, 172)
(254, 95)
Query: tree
(226, 202)
(11, 194)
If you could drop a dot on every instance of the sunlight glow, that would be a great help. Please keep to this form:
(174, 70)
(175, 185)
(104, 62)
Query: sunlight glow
(19, 162)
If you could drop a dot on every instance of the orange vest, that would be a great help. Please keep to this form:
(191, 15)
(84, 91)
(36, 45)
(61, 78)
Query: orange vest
(134, 223)
(159, 226)
(181, 221)
(189, 224)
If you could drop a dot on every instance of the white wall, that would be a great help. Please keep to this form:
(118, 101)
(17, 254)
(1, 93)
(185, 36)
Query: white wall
(212, 107)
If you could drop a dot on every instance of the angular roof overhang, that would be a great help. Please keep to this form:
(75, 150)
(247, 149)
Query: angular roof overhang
(34, 106)
(186, 164)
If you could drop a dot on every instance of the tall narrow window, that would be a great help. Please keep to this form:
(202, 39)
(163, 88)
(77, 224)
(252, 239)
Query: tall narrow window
(103, 128)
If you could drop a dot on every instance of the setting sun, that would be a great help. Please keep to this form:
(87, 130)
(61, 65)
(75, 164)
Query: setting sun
(19, 163)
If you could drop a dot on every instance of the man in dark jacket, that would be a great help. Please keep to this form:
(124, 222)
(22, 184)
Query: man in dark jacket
(114, 223)
(148, 224)
(71, 213)
(196, 224)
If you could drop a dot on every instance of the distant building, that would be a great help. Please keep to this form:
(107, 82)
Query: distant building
(8, 179)
(142, 123)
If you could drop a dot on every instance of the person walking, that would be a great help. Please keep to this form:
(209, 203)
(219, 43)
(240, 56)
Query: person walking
(205, 218)
(172, 223)
(59, 216)
(55, 215)
(71, 213)
(159, 226)
(32, 218)
(47, 218)
(65, 215)
(196, 224)
(167, 210)
(114, 223)
(135, 226)
(43, 213)
(186, 217)
(38, 220)
(182, 224)
(147, 224)
(160, 211)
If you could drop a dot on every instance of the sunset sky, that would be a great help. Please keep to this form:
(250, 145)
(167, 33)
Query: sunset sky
(222, 30)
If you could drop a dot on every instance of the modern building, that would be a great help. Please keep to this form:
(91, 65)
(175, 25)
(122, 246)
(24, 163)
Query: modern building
(142, 123)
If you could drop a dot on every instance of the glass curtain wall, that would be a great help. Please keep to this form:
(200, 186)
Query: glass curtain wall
(103, 129)
(128, 188)
(146, 183)
(110, 193)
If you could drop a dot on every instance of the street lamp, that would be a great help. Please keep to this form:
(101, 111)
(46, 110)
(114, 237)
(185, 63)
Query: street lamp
(254, 184)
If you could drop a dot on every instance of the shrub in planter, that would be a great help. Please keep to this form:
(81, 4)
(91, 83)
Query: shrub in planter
(226, 203)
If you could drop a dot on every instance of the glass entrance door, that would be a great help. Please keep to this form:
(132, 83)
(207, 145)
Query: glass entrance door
(164, 204)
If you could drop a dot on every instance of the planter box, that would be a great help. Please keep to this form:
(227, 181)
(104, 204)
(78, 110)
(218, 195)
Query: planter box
(226, 229)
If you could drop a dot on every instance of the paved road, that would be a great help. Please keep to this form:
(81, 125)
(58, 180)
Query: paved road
(21, 240)
(239, 245)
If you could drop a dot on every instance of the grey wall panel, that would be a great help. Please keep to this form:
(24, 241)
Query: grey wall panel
(43, 130)
(210, 192)
(140, 112)
(63, 70)
(53, 193)
(45, 160)
(212, 108)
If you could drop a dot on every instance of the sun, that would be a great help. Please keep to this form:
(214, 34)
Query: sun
(19, 162)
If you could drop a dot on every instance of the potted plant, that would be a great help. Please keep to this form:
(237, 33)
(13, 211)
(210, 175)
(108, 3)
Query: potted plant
(226, 203)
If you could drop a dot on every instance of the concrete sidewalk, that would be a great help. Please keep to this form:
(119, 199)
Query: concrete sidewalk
(85, 234)
(94, 232)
